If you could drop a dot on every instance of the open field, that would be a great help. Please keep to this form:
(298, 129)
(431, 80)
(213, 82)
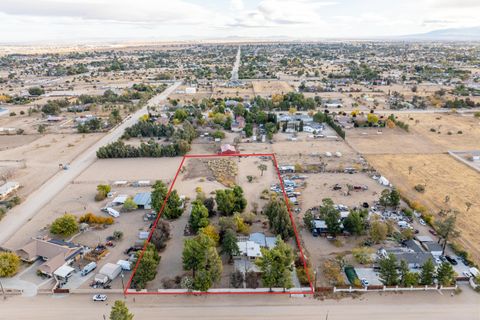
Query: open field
(443, 176)
(271, 87)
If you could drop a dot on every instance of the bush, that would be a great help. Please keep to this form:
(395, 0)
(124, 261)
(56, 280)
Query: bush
(129, 205)
(90, 218)
(65, 225)
(9, 264)
(36, 91)
(363, 255)
(420, 188)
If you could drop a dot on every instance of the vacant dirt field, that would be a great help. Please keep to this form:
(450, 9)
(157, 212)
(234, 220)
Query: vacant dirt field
(270, 87)
(443, 176)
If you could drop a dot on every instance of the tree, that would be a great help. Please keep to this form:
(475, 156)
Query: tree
(355, 222)
(209, 203)
(331, 216)
(120, 311)
(388, 270)
(147, 268)
(41, 128)
(363, 255)
(129, 205)
(378, 231)
(35, 91)
(102, 191)
(445, 274)
(428, 272)
(199, 216)
(262, 167)
(407, 278)
(447, 230)
(276, 265)
(230, 201)
(229, 244)
(65, 225)
(211, 232)
(279, 218)
(9, 264)
(173, 208)
(390, 198)
(200, 256)
(308, 219)
(161, 234)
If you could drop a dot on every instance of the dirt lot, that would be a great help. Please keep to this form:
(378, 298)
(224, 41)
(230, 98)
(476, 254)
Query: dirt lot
(443, 176)
(271, 87)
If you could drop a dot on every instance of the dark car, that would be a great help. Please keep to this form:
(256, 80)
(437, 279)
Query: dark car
(432, 232)
(451, 260)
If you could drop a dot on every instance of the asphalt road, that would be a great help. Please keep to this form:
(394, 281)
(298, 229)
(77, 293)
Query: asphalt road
(20, 214)
(411, 306)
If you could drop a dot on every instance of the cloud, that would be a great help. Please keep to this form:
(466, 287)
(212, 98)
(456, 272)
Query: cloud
(138, 11)
(454, 3)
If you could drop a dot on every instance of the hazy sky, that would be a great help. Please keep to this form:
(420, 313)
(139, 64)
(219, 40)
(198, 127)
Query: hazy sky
(79, 20)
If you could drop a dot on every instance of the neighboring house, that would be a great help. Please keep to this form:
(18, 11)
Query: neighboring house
(262, 240)
(414, 259)
(7, 188)
(413, 245)
(434, 248)
(227, 149)
(250, 250)
(55, 253)
(143, 200)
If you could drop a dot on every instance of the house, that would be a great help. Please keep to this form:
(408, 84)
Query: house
(434, 248)
(249, 249)
(143, 200)
(7, 188)
(414, 259)
(119, 200)
(55, 253)
(413, 245)
(227, 149)
(287, 169)
(262, 240)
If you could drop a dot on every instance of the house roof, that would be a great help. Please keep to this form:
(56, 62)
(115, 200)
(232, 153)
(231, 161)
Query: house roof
(63, 271)
(433, 246)
(249, 248)
(416, 258)
(262, 240)
(412, 244)
(227, 147)
(142, 199)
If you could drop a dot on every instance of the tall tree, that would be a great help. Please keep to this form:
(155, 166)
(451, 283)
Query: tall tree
(447, 230)
(65, 225)
(331, 216)
(230, 201)
(355, 222)
(161, 234)
(276, 265)
(388, 270)
(279, 219)
(9, 264)
(445, 274)
(201, 257)
(120, 311)
(198, 216)
(428, 272)
(229, 244)
(147, 268)
(173, 207)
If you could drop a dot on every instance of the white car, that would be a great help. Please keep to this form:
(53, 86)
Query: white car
(422, 222)
(99, 297)
(364, 282)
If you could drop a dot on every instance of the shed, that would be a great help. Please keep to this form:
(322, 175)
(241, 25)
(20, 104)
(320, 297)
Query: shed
(120, 199)
(143, 200)
(111, 270)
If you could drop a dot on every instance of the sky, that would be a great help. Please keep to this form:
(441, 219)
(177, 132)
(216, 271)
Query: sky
(28, 21)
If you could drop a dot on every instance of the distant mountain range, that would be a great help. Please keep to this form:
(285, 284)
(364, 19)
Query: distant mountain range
(458, 34)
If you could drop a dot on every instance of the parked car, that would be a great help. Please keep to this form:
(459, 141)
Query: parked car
(422, 222)
(100, 297)
(467, 274)
(364, 282)
(432, 232)
(451, 260)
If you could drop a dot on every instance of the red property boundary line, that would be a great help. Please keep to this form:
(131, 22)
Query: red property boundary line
(297, 238)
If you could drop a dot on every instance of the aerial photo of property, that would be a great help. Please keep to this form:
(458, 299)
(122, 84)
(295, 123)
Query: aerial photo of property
(240, 159)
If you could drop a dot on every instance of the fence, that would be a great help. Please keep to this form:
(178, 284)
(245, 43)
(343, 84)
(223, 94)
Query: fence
(392, 288)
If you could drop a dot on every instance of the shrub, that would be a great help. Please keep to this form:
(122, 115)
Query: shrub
(65, 225)
(420, 188)
(129, 205)
(9, 264)
(90, 218)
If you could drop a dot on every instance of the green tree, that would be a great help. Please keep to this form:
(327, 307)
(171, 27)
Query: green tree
(65, 225)
(199, 216)
(229, 244)
(428, 272)
(355, 222)
(102, 191)
(129, 205)
(279, 218)
(35, 91)
(9, 264)
(331, 216)
(262, 167)
(147, 268)
(120, 311)
(407, 278)
(200, 256)
(173, 208)
(388, 270)
(230, 201)
(445, 274)
(447, 230)
(276, 265)
(180, 115)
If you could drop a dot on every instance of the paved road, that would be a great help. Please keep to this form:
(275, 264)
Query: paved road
(20, 214)
(411, 306)
(236, 66)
